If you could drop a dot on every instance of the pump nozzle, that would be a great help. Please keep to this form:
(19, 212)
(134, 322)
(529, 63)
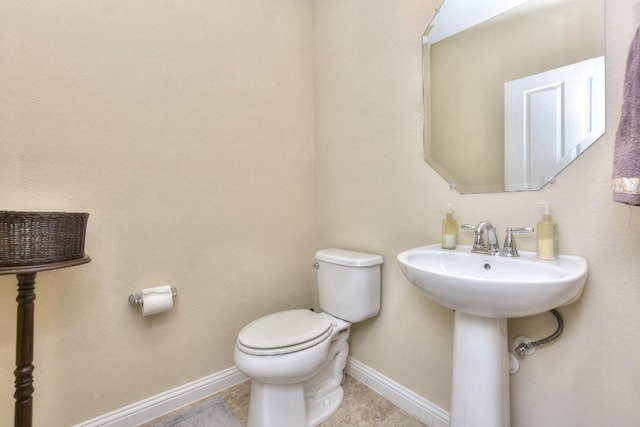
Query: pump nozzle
(547, 210)
(546, 207)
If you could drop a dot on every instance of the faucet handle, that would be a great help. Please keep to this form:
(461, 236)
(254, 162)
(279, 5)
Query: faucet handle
(522, 229)
(509, 248)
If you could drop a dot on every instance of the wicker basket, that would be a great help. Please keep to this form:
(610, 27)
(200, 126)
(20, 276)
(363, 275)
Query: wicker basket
(34, 238)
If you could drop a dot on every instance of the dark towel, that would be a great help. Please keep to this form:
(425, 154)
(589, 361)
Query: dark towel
(626, 154)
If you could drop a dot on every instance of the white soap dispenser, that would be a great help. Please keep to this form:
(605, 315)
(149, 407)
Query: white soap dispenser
(547, 247)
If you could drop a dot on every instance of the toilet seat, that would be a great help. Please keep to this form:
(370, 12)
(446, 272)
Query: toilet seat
(284, 332)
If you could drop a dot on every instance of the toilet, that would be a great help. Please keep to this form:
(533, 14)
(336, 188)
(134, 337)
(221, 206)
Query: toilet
(296, 358)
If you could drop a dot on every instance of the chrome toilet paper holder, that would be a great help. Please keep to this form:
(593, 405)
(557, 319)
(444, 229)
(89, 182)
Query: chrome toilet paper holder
(136, 297)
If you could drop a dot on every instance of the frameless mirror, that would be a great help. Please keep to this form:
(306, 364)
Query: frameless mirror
(513, 90)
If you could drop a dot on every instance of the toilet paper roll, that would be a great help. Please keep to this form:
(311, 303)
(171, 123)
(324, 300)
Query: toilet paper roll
(156, 300)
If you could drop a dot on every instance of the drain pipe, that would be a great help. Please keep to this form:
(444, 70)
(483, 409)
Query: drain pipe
(525, 346)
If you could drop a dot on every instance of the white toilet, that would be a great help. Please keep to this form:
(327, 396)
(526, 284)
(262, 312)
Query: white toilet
(296, 358)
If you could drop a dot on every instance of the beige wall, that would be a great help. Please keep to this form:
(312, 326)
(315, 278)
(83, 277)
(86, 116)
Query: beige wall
(186, 130)
(374, 192)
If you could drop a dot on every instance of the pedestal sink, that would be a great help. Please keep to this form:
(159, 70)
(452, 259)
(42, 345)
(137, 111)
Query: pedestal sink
(484, 291)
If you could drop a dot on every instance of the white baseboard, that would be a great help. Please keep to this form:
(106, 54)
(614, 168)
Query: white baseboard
(426, 411)
(171, 400)
(158, 405)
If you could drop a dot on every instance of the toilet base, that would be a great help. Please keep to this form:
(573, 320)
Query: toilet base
(276, 405)
(321, 409)
(272, 405)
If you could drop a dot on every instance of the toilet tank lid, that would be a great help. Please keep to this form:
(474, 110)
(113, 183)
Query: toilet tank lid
(348, 258)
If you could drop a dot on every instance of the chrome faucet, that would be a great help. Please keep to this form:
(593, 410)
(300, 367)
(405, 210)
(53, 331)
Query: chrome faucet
(492, 246)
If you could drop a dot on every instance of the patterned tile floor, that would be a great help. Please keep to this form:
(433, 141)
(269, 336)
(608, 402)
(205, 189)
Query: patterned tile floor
(361, 407)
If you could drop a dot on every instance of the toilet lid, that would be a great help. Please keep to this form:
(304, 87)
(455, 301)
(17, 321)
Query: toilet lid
(284, 332)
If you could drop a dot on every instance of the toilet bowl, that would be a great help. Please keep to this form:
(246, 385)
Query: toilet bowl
(288, 383)
(296, 358)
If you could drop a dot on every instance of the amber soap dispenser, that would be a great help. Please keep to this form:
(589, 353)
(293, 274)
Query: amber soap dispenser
(449, 230)
(547, 247)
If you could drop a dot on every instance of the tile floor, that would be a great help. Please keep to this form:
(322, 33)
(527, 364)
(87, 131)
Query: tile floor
(361, 407)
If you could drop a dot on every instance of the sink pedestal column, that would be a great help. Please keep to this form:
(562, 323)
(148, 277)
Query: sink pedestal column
(480, 385)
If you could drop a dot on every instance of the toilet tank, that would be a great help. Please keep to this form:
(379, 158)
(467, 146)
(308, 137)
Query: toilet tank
(348, 283)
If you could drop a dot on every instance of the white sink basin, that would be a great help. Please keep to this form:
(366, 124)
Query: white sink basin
(494, 286)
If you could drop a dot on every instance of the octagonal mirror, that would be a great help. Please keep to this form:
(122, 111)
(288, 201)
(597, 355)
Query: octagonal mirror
(513, 90)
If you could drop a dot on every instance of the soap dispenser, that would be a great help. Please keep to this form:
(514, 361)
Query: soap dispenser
(547, 247)
(449, 230)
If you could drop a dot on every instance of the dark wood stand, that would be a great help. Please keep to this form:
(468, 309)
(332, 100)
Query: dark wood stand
(24, 334)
